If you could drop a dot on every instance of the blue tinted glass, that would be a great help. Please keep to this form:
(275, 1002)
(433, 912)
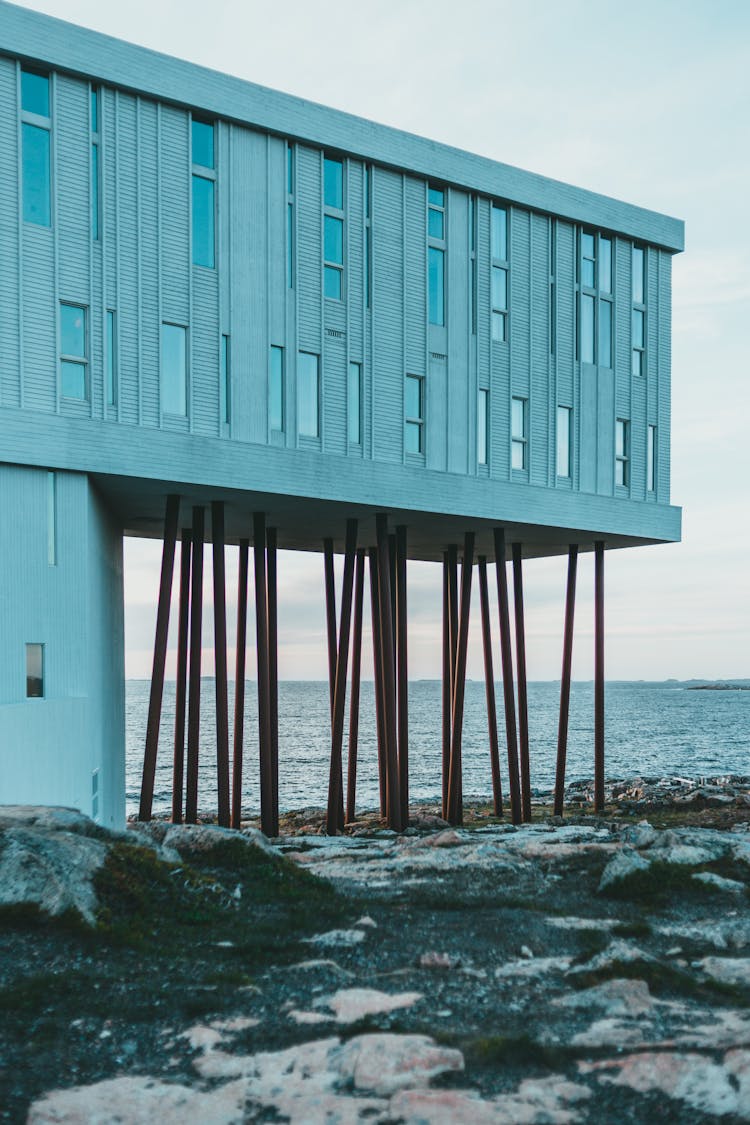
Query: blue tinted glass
(73, 380)
(333, 183)
(637, 328)
(518, 418)
(95, 191)
(111, 358)
(290, 245)
(332, 283)
(413, 437)
(500, 233)
(368, 267)
(436, 223)
(588, 273)
(203, 144)
(36, 175)
(605, 334)
(333, 238)
(605, 265)
(276, 389)
(498, 326)
(637, 363)
(35, 93)
(225, 377)
(94, 111)
(72, 330)
(413, 397)
(173, 369)
(563, 441)
(620, 438)
(587, 329)
(203, 222)
(436, 196)
(289, 170)
(437, 286)
(368, 190)
(499, 288)
(34, 671)
(482, 427)
(638, 261)
(651, 459)
(353, 404)
(307, 378)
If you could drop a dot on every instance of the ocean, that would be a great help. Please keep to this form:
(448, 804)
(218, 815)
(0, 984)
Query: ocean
(651, 729)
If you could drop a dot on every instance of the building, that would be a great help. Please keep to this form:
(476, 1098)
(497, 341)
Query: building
(215, 291)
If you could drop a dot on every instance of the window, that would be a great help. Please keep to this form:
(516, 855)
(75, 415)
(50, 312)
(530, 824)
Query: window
(651, 460)
(276, 389)
(52, 519)
(73, 352)
(472, 265)
(354, 404)
(226, 376)
(290, 215)
(588, 312)
(204, 183)
(594, 320)
(622, 449)
(174, 369)
(552, 286)
(308, 380)
(499, 245)
(638, 325)
(414, 414)
(95, 164)
(333, 229)
(34, 671)
(368, 236)
(436, 254)
(564, 416)
(111, 358)
(36, 126)
(95, 794)
(483, 420)
(518, 433)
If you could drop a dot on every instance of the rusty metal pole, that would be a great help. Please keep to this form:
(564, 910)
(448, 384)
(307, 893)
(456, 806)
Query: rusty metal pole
(334, 819)
(489, 688)
(395, 817)
(447, 685)
(239, 685)
(359, 597)
(377, 666)
(273, 668)
(453, 611)
(194, 674)
(264, 697)
(330, 582)
(506, 654)
(402, 672)
(160, 657)
(220, 662)
(598, 676)
(178, 769)
(455, 796)
(562, 729)
(523, 708)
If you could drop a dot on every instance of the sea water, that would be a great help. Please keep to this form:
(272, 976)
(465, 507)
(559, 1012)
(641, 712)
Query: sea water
(651, 729)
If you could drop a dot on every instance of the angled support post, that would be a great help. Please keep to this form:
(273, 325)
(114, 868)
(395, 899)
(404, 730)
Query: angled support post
(334, 820)
(562, 728)
(377, 667)
(395, 817)
(178, 769)
(455, 796)
(489, 688)
(220, 663)
(523, 708)
(359, 597)
(194, 674)
(598, 676)
(447, 695)
(402, 673)
(239, 684)
(160, 657)
(330, 581)
(506, 654)
(267, 820)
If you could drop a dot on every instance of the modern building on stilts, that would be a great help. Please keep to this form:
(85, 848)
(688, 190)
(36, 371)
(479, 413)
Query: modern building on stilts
(231, 316)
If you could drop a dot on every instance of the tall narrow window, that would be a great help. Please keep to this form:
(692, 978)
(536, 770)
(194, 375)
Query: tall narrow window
(308, 386)
(52, 519)
(368, 236)
(290, 215)
(34, 671)
(483, 421)
(472, 265)
(414, 414)
(226, 379)
(499, 246)
(622, 452)
(95, 164)
(519, 433)
(588, 306)
(651, 460)
(638, 320)
(204, 184)
(174, 369)
(552, 286)
(594, 301)
(333, 229)
(605, 333)
(111, 358)
(354, 404)
(36, 126)
(73, 352)
(436, 254)
(276, 389)
(564, 415)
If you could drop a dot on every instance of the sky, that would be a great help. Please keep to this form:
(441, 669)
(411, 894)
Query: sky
(645, 101)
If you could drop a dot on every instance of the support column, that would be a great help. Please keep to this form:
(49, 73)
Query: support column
(395, 818)
(402, 673)
(447, 684)
(359, 597)
(377, 666)
(562, 729)
(334, 820)
(523, 710)
(489, 688)
(330, 616)
(455, 796)
(598, 676)
(178, 769)
(220, 663)
(194, 675)
(239, 685)
(273, 664)
(507, 663)
(160, 657)
(268, 821)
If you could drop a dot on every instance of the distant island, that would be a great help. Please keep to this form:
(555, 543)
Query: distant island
(719, 687)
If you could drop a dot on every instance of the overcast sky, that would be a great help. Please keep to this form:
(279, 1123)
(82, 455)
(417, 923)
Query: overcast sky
(645, 101)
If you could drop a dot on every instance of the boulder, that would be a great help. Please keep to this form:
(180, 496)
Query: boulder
(624, 865)
(52, 870)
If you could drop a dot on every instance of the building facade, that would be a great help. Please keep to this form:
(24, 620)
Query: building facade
(212, 289)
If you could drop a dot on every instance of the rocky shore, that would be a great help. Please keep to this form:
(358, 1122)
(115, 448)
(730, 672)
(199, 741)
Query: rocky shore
(594, 969)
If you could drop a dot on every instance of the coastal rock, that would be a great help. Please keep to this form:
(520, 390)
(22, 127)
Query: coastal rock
(385, 1063)
(615, 997)
(711, 879)
(727, 970)
(351, 1004)
(624, 865)
(51, 870)
(53, 818)
(336, 939)
(192, 839)
(140, 1099)
(534, 967)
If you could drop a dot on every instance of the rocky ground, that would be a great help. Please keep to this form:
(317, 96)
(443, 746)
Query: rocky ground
(592, 970)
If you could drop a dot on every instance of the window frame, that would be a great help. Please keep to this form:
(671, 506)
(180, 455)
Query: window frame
(622, 460)
(499, 313)
(225, 377)
(354, 377)
(415, 423)
(276, 351)
(331, 267)
(42, 694)
(291, 177)
(304, 434)
(598, 296)
(77, 360)
(520, 441)
(436, 252)
(95, 125)
(483, 426)
(43, 124)
(209, 175)
(651, 458)
(111, 358)
(368, 265)
(186, 337)
(639, 309)
(567, 427)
